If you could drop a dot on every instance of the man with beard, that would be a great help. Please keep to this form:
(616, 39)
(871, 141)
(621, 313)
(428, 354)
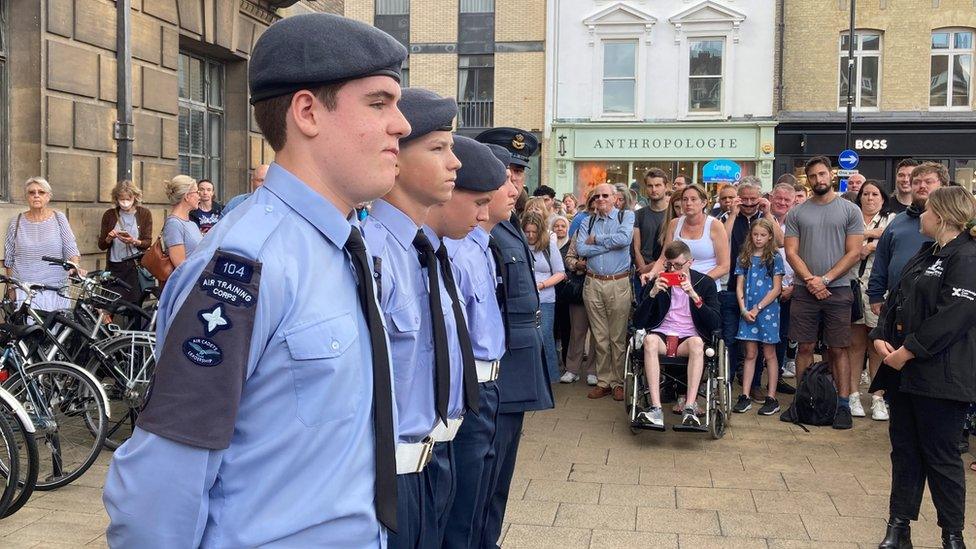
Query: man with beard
(647, 226)
(901, 199)
(823, 241)
(902, 239)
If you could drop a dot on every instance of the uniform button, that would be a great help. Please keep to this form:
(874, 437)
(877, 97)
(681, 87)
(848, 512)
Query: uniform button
(335, 345)
(269, 208)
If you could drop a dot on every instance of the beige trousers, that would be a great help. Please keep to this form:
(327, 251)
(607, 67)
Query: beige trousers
(608, 308)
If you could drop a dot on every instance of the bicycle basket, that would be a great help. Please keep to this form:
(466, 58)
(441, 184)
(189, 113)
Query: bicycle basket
(90, 293)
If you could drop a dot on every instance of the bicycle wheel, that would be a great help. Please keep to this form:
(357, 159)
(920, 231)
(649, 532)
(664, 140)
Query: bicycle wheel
(29, 462)
(70, 415)
(125, 371)
(9, 464)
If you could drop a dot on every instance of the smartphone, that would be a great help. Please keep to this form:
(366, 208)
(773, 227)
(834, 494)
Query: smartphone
(124, 234)
(673, 279)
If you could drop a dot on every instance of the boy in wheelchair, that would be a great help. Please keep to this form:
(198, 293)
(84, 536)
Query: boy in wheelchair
(679, 310)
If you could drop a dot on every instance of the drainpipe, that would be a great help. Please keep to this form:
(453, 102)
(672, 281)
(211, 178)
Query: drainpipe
(780, 29)
(123, 57)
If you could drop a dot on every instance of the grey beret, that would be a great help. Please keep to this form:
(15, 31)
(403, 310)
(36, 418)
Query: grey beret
(480, 171)
(427, 112)
(501, 153)
(316, 49)
(520, 143)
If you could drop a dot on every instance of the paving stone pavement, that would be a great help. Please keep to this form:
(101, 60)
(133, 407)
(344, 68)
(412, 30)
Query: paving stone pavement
(583, 480)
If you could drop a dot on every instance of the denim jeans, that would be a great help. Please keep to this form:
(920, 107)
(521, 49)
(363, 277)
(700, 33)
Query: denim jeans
(549, 340)
(730, 327)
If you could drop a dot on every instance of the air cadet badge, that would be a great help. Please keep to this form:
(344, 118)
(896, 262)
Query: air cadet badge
(518, 142)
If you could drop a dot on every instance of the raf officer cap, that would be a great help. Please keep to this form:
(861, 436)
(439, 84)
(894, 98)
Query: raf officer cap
(318, 49)
(520, 143)
(501, 153)
(427, 112)
(480, 171)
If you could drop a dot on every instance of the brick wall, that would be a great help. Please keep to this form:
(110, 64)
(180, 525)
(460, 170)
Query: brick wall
(520, 20)
(435, 71)
(520, 90)
(361, 10)
(812, 34)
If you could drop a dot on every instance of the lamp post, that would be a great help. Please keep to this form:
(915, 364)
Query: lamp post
(851, 72)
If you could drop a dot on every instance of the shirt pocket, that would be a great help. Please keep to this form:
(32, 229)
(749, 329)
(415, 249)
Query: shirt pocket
(484, 289)
(516, 273)
(326, 371)
(405, 319)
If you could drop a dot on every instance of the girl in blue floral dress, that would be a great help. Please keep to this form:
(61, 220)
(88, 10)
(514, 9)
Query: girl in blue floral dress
(759, 270)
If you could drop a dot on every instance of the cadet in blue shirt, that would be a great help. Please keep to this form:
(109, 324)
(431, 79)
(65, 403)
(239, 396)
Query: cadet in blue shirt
(417, 305)
(464, 222)
(523, 380)
(270, 421)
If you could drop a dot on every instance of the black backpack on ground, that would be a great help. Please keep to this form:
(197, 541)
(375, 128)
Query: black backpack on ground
(816, 398)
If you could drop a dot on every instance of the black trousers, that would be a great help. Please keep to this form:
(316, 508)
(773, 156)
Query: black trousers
(924, 434)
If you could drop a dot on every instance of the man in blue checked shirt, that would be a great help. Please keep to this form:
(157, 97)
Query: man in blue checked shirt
(604, 241)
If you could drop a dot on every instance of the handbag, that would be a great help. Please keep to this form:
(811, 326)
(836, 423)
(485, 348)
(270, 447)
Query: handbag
(571, 289)
(157, 262)
(857, 307)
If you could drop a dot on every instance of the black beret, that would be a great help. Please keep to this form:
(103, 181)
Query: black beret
(501, 153)
(427, 112)
(480, 171)
(520, 143)
(317, 49)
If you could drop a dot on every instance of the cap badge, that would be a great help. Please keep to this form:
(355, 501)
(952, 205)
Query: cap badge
(518, 142)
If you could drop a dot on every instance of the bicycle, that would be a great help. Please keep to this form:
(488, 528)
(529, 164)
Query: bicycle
(25, 471)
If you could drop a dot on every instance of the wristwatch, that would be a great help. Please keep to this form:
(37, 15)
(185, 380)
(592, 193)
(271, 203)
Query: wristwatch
(826, 281)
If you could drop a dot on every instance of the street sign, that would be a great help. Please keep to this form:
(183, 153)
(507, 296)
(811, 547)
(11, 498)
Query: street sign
(721, 171)
(842, 185)
(846, 173)
(848, 159)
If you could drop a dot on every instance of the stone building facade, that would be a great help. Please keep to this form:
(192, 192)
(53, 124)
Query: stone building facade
(914, 94)
(189, 96)
(489, 54)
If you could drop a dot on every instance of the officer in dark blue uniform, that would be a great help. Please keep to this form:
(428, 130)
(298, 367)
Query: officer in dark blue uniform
(523, 380)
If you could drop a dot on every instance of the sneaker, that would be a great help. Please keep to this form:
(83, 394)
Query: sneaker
(865, 378)
(676, 410)
(653, 417)
(789, 370)
(742, 405)
(879, 410)
(591, 380)
(569, 377)
(770, 407)
(785, 388)
(842, 419)
(857, 410)
(690, 416)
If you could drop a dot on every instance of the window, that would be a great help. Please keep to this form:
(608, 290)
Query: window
(867, 67)
(477, 6)
(476, 27)
(952, 69)
(393, 18)
(201, 124)
(705, 75)
(476, 91)
(619, 77)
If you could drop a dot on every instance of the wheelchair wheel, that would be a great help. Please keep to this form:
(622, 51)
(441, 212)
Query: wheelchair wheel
(629, 380)
(716, 423)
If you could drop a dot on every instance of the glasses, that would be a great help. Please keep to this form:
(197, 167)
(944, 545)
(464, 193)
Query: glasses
(673, 266)
(36, 192)
(602, 196)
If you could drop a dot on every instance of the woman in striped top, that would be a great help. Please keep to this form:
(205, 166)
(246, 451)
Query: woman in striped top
(38, 232)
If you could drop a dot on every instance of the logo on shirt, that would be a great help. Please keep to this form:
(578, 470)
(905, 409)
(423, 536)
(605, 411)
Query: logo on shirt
(229, 292)
(214, 319)
(935, 269)
(202, 352)
(964, 293)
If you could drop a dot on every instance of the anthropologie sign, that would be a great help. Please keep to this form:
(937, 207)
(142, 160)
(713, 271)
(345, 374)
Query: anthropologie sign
(667, 143)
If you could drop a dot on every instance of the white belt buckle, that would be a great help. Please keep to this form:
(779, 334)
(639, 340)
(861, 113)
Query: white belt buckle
(487, 371)
(413, 457)
(446, 433)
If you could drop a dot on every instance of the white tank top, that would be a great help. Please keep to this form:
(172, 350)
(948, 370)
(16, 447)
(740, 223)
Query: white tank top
(702, 249)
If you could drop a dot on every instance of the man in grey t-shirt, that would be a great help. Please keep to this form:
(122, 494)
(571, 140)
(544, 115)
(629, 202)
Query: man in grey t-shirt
(823, 241)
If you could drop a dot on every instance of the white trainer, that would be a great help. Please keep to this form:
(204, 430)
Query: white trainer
(879, 410)
(591, 380)
(569, 377)
(857, 410)
(789, 369)
(865, 378)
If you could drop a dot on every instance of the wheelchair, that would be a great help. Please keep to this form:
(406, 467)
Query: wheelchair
(716, 387)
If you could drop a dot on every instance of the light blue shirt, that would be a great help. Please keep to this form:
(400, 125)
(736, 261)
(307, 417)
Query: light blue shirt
(477, 279)
(455, 405)
(235, 202)
(389, 233)
(610, 254)
(299, 470)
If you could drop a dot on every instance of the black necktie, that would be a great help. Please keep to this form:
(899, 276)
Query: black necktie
(386, 488)
(464, 338)
(500, 290)
(442, 360)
